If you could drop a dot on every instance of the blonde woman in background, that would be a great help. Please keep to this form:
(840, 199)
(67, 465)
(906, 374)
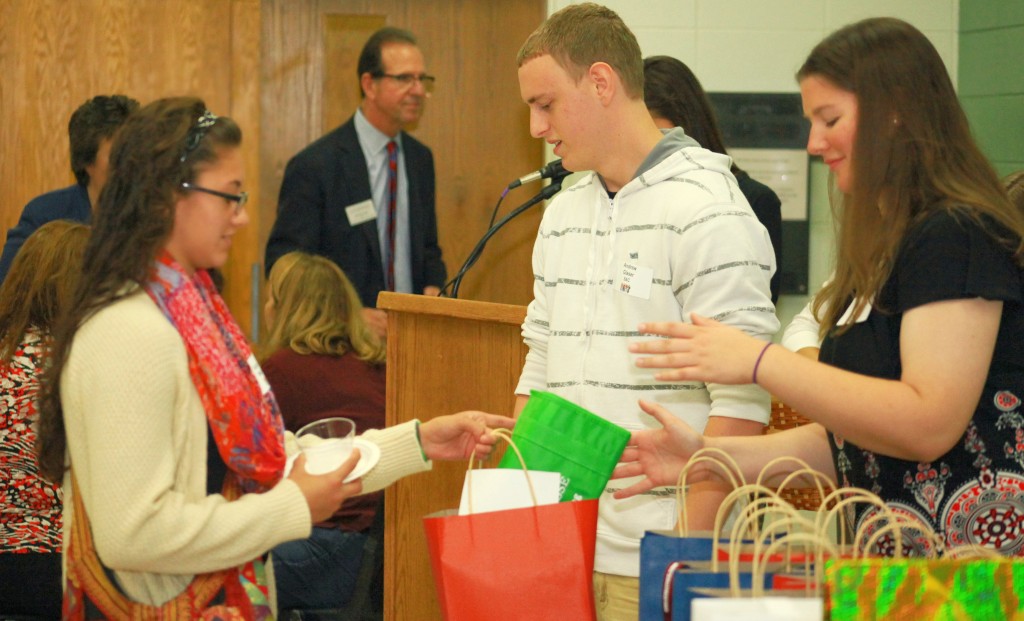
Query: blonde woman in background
(323, 361)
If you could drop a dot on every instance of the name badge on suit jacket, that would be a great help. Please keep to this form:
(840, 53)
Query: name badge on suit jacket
(361, 212)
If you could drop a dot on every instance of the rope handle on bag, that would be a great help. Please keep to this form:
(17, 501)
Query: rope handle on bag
(762, 496)
(761, 507)
(712, 455)
(895, 528)
(789, 522)
(816, 477)
(821, 544)
(749, 491)
(777, 516)
(763, 475)
(767, 503)
(764, 556)
(505, 435)
(825, 516)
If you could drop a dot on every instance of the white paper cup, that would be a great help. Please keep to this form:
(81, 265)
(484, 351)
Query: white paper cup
(326, 443)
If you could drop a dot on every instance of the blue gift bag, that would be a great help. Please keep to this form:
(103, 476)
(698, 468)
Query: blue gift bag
(658, 550)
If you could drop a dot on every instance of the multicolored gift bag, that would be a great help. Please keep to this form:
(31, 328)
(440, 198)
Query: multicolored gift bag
(944, 589)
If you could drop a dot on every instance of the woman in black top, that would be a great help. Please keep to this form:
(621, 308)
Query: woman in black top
(919, 396)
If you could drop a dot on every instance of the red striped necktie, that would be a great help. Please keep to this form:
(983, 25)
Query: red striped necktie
(389, 276)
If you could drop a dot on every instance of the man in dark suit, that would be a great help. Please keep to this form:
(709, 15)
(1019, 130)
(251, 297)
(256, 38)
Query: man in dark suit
(363, 195)
(90, 133)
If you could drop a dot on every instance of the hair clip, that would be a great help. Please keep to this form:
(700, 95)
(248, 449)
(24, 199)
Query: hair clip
(197, 131)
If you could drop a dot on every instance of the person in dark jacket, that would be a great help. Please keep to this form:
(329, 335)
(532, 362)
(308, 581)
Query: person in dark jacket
(91, 131)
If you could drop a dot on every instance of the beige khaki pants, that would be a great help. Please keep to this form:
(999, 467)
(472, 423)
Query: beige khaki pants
(617, 598)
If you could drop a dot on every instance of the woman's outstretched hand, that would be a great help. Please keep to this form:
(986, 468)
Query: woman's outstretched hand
(462, 435)
(658, 454)
(704, 351)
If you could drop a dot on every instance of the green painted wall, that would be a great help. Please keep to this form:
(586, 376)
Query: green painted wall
(991, 70)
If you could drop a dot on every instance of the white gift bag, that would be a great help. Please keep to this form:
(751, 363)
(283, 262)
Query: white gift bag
(498, 489)
(769, 608)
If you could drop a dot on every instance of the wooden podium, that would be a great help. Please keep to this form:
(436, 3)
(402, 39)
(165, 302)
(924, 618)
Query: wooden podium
(443, 356)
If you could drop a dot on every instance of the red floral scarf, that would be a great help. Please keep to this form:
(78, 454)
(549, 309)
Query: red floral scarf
(249, 434)
(240, 407)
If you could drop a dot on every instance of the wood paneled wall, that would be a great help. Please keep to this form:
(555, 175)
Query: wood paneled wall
(475, 122)
(264, 62)
(54, 55)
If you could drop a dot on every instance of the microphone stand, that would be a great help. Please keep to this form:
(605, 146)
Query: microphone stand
(547, 192)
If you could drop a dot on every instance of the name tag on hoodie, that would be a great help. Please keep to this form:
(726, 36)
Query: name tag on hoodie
(635, 280)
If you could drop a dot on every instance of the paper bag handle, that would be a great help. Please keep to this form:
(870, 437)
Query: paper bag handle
(821, 544)
(762, 496)
(816, 476)
(852, 495)
(766, 503)
(505, 435)
(763, 551)
(712, 455)
(895, 523)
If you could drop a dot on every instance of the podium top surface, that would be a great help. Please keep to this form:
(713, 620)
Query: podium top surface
(448, 307)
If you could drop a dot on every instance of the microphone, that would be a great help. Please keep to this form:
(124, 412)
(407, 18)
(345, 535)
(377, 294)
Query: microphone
(555, 172)
(553, 169)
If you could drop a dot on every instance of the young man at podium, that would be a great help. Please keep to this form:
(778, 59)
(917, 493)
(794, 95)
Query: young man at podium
(657, 231)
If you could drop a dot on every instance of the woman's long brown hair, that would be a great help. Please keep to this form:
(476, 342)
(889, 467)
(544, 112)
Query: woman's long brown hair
(913, 153)
(148, 163)
(40, 283)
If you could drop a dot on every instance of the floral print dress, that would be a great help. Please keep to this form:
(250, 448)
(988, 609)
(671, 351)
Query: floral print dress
(30, 507)
(974, 494)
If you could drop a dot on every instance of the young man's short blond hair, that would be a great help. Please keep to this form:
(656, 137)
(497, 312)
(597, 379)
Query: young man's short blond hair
(583, 34)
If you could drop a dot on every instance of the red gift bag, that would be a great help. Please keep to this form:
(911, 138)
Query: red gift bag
(527, 564)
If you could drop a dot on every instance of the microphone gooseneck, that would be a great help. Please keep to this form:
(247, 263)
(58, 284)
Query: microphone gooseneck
(557, 176)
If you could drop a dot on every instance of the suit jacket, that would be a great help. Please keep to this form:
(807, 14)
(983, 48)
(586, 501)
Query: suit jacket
(331, 174)
(70, 203)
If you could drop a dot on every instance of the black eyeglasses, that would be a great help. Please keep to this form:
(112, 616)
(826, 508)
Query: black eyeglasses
(408, 79)
(239, 199)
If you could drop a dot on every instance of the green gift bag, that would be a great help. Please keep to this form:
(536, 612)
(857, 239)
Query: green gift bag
(556, 435)
(915, 588)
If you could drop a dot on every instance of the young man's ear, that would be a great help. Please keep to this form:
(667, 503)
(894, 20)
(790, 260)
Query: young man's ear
(604, 79)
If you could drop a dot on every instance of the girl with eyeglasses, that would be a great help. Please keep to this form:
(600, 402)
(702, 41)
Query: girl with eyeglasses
(155, 413)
